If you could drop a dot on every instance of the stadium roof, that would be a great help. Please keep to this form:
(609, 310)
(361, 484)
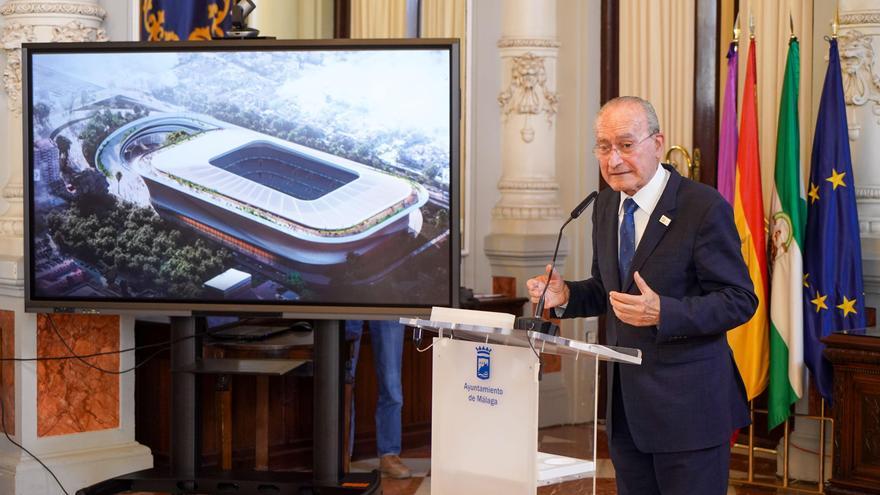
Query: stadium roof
(344, 207)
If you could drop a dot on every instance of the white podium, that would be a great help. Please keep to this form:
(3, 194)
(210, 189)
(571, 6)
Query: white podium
(484, 423)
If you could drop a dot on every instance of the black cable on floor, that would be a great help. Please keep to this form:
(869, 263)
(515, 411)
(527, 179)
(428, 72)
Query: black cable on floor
(13, 442)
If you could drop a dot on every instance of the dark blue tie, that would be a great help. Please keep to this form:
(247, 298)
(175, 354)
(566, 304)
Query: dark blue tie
(627, 238)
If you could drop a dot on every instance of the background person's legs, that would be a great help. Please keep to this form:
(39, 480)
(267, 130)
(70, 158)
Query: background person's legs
(387, 342)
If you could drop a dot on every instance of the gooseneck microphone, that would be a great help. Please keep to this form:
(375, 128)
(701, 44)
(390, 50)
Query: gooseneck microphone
(536, 322)
(576, 212)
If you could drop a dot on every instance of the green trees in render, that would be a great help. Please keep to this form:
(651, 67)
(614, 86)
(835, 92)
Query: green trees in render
(134, 243)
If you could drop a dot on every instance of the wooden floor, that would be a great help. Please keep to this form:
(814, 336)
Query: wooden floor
(419, 461)
(573, 441)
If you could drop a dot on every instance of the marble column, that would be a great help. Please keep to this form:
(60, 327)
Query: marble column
(859, 38)
(79, 421)
(528, 214)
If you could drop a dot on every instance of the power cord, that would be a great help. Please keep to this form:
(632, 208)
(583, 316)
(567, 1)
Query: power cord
(540, 359)
(81, 358)
(74, 355)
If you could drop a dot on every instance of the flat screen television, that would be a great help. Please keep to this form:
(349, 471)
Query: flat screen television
(297, 178)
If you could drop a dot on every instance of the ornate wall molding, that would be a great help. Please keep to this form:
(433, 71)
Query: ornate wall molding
(528, 43)
(528, 185)
(75, 31)
(14, 33)
(11, 227)
(13, 191)
(861, 84)
(12, 287)
(861, 18)
(528, 93)
(527, 212)
(12, 36)
(66, 8)
(867, 192)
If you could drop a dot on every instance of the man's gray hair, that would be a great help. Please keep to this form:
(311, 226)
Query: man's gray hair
(648, 109)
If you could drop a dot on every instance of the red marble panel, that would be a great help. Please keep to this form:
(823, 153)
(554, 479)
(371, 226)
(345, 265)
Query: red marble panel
(552, 363)
(504, 285)
(71, 396)
(7, 369)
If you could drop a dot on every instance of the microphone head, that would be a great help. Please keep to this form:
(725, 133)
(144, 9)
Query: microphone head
(576, 212)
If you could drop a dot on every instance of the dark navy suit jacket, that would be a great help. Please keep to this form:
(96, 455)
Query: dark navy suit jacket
(687, 394)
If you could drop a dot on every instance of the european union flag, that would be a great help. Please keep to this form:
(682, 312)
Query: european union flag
(171, 20)
(833, 294)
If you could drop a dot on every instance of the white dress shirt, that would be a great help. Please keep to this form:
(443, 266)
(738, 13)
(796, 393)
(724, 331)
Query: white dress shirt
(646, 198)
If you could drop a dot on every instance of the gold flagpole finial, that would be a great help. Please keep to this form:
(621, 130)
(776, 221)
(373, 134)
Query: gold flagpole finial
(835, 24)
(736, 29)
(751, 24)
(791, 25)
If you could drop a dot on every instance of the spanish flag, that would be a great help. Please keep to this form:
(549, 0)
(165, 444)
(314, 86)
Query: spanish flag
(750, 340)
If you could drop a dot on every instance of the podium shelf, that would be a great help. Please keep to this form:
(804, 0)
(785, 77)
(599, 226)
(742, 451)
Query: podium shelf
(541, 342)
(553, 469)
(231, 366)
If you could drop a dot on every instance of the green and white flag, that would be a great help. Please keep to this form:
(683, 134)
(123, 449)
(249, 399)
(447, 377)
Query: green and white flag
(788, 217)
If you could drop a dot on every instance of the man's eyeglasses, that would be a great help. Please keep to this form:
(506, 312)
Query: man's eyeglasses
(623, 148)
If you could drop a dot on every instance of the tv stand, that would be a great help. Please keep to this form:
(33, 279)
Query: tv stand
(185, 474)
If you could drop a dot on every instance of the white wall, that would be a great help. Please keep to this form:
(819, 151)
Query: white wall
(123, 19)
(485, 128)
(578, 82)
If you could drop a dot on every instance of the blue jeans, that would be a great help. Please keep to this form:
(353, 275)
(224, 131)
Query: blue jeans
(387, 340)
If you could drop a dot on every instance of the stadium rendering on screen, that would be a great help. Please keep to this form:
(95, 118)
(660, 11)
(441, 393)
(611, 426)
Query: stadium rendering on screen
(254, 176)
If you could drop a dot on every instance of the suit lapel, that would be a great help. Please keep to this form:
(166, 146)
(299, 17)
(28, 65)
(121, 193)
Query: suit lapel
(610, 272)
(655, 230)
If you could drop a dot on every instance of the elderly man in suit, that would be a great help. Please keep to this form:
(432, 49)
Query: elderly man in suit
(668, 272)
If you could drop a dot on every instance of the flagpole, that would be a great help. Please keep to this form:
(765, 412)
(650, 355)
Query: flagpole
(728, 138)
(736, 31)
(751, 24)
(835, 24)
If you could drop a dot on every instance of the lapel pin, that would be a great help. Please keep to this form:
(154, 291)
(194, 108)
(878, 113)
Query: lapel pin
(665, 220)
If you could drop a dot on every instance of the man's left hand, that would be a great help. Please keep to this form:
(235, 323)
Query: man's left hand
(640, 310)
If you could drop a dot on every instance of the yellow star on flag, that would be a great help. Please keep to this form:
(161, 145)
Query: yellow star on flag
(847, 306)
(819, 301)
(806, 284)
(814, 193)
(836, 178)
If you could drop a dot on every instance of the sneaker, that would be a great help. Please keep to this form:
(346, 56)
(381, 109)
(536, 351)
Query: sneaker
(391, 466)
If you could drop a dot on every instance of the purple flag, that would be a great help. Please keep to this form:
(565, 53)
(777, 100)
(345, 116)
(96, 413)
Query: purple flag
(728, 139)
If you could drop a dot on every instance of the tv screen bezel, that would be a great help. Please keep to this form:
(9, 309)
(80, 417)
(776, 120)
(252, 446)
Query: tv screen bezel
(40, 304)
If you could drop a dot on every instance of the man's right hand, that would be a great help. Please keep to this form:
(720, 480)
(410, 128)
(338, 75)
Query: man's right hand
(557, 292)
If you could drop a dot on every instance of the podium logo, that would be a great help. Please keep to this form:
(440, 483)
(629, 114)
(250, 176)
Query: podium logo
(484, 363)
